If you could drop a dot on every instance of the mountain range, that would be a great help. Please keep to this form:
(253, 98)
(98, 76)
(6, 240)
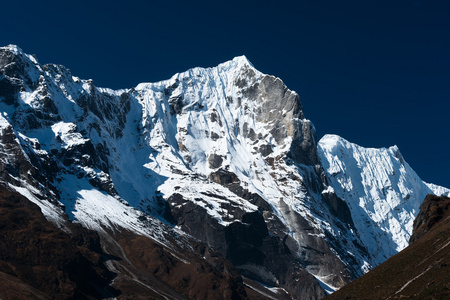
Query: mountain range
(211, 184)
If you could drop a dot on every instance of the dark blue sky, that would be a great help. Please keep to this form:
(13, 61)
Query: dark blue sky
(375, 72)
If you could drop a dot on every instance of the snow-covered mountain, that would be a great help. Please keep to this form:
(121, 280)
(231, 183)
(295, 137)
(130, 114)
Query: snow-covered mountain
(380, 188)
(223, 154)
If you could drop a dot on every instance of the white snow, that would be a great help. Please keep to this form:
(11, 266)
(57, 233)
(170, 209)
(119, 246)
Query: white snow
(381, 190)
(329, 289)
(29, 98)
(51, 212)
(67, 133)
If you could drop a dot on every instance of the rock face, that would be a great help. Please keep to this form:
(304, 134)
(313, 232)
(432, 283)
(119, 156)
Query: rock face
(39, 259)
(432, 210)
(223, 154)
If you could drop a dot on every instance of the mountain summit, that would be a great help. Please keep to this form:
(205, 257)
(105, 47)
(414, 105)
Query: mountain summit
(223, 156)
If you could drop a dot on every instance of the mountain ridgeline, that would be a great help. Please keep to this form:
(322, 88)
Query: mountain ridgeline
(213, 160)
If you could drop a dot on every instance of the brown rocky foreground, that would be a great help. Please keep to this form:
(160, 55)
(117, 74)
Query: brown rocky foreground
(421, 271)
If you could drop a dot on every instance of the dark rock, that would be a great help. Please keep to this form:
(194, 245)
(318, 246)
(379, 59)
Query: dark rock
(223, 177)
(244, 239)
(214, 136)
(248, 132)
(270, 161)
(169, 90)
(432, 210)
(253, 198)
(164, 209)
(213, 117)
(60, 265)
(303, 148)
(256, 221)
(243, 245)
(106, 107)
(339, 207)
(176, 104)
(314, 252)
(215, 161)
(9, 88)
(265, 150)
(195, 221)
(232, 182)
(247, 244)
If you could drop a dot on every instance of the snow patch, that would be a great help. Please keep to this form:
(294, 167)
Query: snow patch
(329, 289)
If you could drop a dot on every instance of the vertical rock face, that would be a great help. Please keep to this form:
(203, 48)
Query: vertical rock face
(432, 210)
(223, 154)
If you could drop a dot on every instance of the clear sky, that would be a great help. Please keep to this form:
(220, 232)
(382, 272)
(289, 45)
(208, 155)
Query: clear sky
(374, 72)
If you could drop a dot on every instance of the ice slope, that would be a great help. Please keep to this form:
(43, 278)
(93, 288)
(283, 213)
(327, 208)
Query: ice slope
(381, 190)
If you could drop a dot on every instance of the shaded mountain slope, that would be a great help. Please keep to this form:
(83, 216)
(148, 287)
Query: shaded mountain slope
(38, 260)
(420, 271)
(35, 255)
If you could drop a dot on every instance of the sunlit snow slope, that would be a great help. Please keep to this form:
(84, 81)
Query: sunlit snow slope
(381, 190)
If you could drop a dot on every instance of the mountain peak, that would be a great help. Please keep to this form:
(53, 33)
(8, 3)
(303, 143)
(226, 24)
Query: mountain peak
(12, 48)
(242, 59)
(233, 66)
(11, 53)
(377, 185)
(237, 63)
(331, 141)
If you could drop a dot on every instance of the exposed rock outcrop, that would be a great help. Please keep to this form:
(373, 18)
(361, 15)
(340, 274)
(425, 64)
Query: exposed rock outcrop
(432, 210)
(37, 256)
